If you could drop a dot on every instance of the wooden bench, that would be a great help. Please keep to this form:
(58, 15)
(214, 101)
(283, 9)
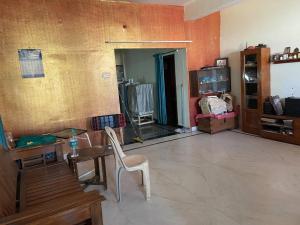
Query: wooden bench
(46, 195)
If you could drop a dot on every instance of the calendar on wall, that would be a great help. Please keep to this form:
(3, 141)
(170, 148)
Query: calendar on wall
(31, 63)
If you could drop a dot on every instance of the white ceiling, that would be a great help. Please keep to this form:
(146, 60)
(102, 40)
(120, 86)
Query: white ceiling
(194, 9)
(163, 2)
(199, 8)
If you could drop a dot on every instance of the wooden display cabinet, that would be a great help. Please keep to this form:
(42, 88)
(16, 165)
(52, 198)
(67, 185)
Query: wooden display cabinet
(210, 80)
(255, 87)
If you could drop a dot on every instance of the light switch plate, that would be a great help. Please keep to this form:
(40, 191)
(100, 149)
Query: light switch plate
(106, 75)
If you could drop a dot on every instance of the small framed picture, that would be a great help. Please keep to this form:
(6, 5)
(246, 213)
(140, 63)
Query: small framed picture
(221, 62)
(287, 50)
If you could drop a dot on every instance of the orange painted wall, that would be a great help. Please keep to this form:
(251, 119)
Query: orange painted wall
(205, 48)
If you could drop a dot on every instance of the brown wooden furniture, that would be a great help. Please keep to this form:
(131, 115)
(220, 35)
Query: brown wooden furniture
(255, 87)
(93, 153)
(36, 156)
(293, 138)
(48, 195)
(213, 124)
(210, 80)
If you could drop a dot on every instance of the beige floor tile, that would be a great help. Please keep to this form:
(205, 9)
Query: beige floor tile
(224, 179)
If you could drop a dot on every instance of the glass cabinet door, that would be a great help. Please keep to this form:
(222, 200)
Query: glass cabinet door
(251, 81)
(214, 80)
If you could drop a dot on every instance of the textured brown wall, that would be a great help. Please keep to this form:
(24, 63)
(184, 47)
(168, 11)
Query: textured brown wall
(205, 48)
(72, 34)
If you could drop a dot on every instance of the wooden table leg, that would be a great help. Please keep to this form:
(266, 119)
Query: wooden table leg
(59, 153)
(104, 171)
(96, 214)
(70, 163)
(73, 165)
(97, 169)
(75, 168)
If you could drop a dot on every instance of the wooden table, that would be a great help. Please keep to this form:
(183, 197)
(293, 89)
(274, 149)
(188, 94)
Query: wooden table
(92, 153)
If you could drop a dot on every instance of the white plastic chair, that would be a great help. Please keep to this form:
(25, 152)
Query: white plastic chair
(129, 163)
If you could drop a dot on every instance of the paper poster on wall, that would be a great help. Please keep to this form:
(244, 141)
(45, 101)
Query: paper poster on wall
(31, 63)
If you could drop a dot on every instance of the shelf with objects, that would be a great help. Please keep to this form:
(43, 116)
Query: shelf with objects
(286, 57)
(213, 86)
(281, 119)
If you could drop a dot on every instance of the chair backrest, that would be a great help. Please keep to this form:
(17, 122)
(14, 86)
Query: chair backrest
(116, 145)
(8, 184)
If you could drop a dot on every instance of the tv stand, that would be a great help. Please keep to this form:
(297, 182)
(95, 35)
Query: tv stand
(281, 128)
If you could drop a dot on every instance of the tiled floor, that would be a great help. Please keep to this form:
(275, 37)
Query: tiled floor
(225, 179)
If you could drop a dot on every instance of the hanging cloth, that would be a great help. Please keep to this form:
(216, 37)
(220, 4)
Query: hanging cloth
(161, 95)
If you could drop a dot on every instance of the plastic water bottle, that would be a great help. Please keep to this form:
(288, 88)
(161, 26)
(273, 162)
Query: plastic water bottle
(73, 143)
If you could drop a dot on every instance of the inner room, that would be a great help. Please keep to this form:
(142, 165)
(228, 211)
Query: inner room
(153, 107)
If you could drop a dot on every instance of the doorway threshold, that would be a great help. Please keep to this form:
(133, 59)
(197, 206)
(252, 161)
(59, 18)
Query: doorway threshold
(156, 141)
(147, 132)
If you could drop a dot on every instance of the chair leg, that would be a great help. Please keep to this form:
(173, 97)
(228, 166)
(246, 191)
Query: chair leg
(118, 183)
(146, 179)
(142, 177)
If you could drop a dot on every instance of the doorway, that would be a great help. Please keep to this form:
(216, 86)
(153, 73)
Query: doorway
(170, 89)
(136, 68)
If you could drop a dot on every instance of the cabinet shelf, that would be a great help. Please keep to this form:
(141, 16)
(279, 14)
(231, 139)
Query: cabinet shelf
(269, 130)
(213, 82)
(279, 117)
(250, 82)
(275, 125)
(278, 134)
(250, 65)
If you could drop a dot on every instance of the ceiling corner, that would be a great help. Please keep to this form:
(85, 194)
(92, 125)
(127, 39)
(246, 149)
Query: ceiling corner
(195, 9)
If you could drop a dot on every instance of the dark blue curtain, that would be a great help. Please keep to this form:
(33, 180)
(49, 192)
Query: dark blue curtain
(161, 95)
(3, 142)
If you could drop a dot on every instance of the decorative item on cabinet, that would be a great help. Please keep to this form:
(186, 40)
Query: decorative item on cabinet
(221, 62)
(287, 50)
(261, 46)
